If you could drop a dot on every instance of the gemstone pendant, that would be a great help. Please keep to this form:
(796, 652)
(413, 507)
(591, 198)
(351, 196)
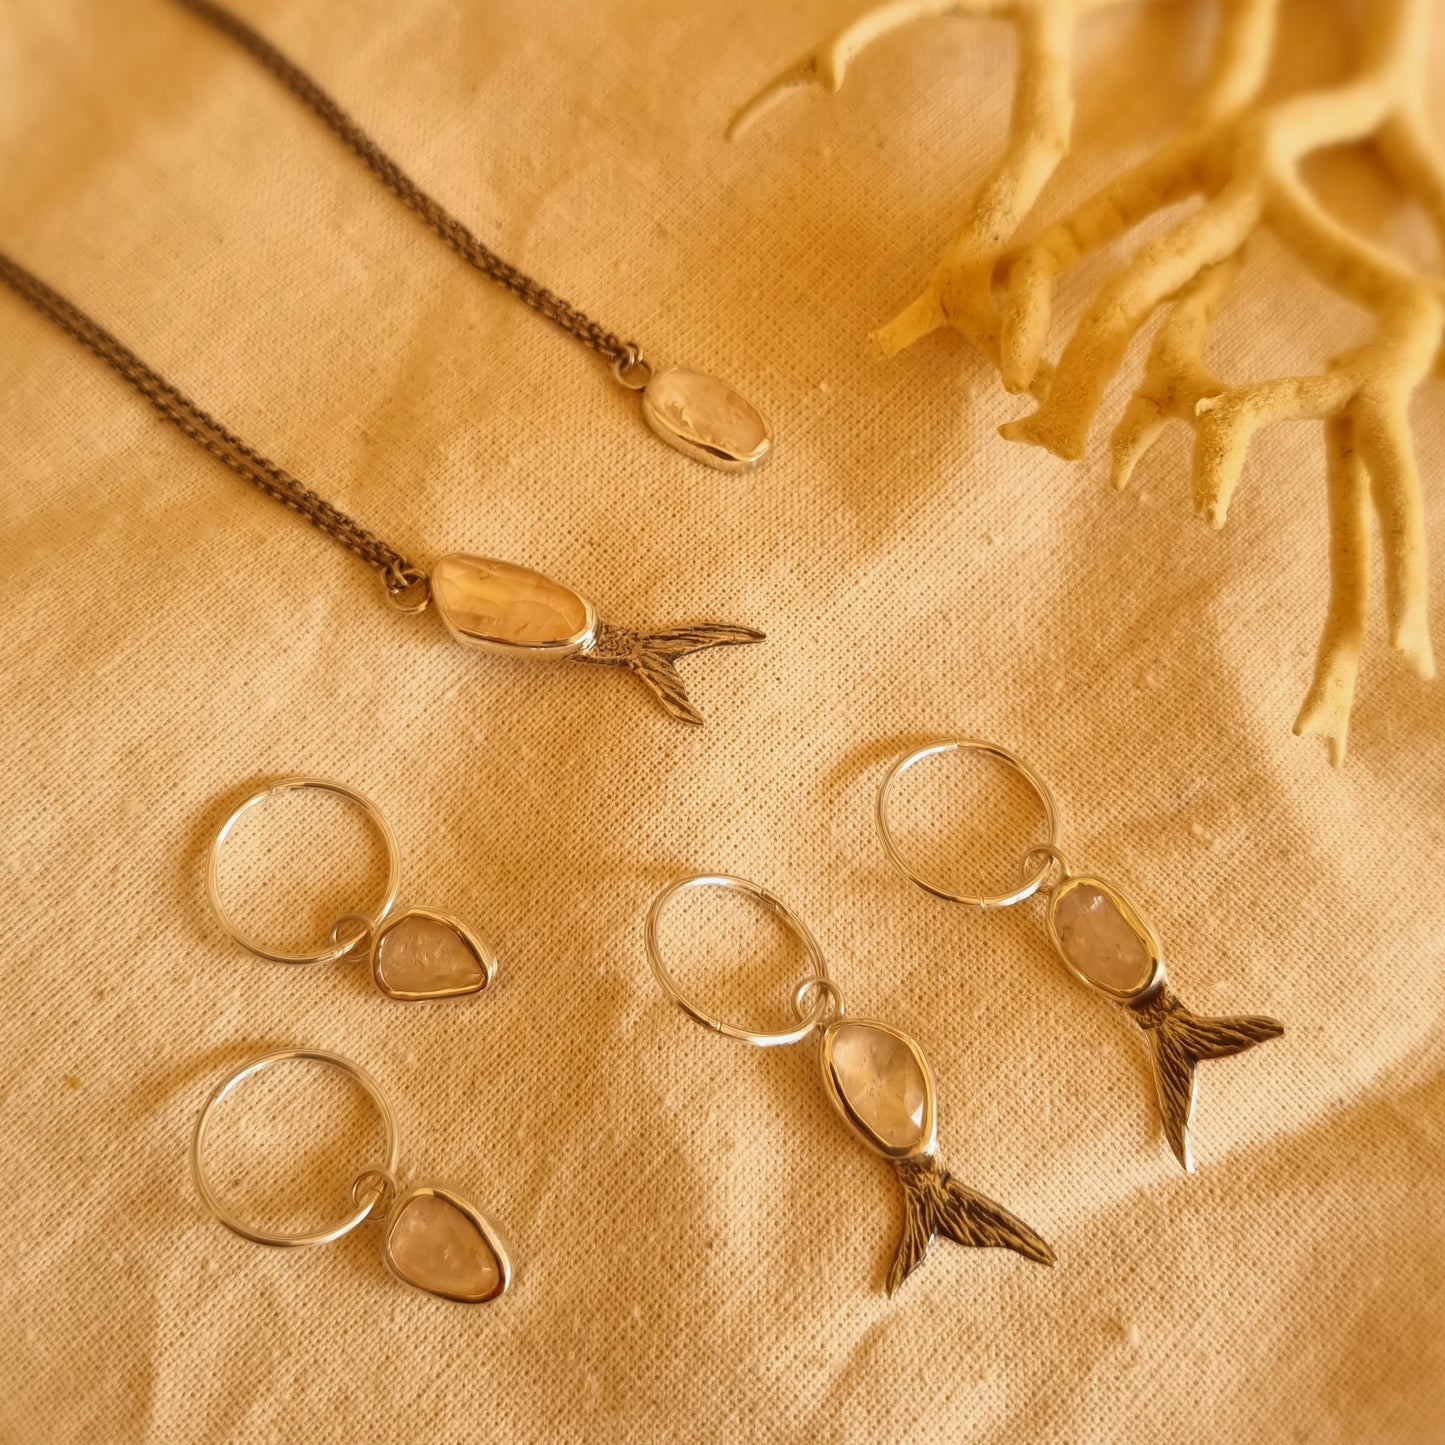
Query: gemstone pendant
(420, 955)
(1106, 943)
(437, 1242)
(880, 1082)
(1104, 939)
(500, 607)
(704, 418)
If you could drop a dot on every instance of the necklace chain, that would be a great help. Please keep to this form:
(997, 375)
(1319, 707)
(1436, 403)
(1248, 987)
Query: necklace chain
(399, 575)
(198, 424)
(456, 235)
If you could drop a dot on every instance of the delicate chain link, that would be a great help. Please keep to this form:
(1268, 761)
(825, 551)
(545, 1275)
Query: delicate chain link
(198, 424)
(461, 240)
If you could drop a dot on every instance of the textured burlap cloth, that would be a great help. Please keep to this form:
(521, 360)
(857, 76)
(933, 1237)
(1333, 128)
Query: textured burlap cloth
(700, 1243)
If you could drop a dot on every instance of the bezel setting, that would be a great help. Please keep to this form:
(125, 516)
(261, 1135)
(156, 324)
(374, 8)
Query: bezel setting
(484, 954)
(569, 646)
(928, 1139)
(491, 1238)
(687, 442)
(1154, 978)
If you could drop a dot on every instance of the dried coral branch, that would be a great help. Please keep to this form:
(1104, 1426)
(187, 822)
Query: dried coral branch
(1240, 156)
(959, 295)
(1175, 381)
(1242, 53)
(1326, 710)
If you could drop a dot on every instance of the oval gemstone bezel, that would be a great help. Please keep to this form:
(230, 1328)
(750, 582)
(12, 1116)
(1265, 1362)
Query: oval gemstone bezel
(569, 646)
(1154, 976)
(485, 956)
(693, 445)
(928, 1139)
(491, 1237)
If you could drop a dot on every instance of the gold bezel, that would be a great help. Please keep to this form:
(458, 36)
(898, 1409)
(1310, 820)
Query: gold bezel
(579, 641)
(485, 957)
(929, 1140)
(1136, 920)
(484, 1226)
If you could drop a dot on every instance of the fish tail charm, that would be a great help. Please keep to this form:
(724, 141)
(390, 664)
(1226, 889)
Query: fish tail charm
(935, 1203)
(652, 656)
(881, 1084)
(1108, 945)
(1180, 1040)
(500, 607)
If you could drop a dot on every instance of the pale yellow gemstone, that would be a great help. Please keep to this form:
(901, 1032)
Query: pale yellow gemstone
(437, 1247)
(882, 1081)
(706, 418)
(421, 955)
(497, 605)
(1099, 941)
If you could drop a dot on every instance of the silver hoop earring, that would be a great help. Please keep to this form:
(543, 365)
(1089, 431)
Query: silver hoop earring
(877, 1078)
(432, 1238)
(415, 954)
(1104, 941)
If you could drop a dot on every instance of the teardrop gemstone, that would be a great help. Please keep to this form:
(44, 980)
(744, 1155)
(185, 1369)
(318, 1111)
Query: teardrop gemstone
(706, 419)
(420, 954)
(1102, 937)
(439, 1243)
(878, 1080)
(505, 608)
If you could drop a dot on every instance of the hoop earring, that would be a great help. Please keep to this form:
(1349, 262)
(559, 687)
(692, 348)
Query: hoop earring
(877, 1078)
(432, 1239)
(1104, 941)
(415, 954)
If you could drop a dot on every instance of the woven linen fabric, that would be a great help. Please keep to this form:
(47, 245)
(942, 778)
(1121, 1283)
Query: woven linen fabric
(700, 1245)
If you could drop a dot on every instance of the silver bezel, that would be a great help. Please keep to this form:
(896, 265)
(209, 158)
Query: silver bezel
(579, 641)
(485, 956)
(1155, 977)
(491, 1236)
(929, 1140)
(664, 428)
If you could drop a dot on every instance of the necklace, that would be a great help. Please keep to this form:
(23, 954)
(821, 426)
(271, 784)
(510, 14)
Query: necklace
(700, 415)
(487, 604)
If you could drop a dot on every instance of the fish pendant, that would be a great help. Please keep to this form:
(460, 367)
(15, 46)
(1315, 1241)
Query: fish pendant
(879, 1081)
(499, 607)
(1107, 944)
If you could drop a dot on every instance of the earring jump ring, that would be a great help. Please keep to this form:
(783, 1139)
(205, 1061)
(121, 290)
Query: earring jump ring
(282, 1240)
(1032, 882)
(826, 996)
(816, 969)
(328, 952)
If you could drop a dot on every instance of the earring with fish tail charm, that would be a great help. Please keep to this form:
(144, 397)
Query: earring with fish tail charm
(417, 953)
(432, 1238)
(878, 1079)
(1104, 941)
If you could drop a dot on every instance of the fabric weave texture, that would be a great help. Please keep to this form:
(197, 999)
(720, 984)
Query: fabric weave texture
(700, 1246)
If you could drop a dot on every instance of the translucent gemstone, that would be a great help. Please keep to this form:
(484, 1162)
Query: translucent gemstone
(1098, 940)
(418, 955)
(882, 1082)
(496, 605)
(706, 418)
(437, 1244)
